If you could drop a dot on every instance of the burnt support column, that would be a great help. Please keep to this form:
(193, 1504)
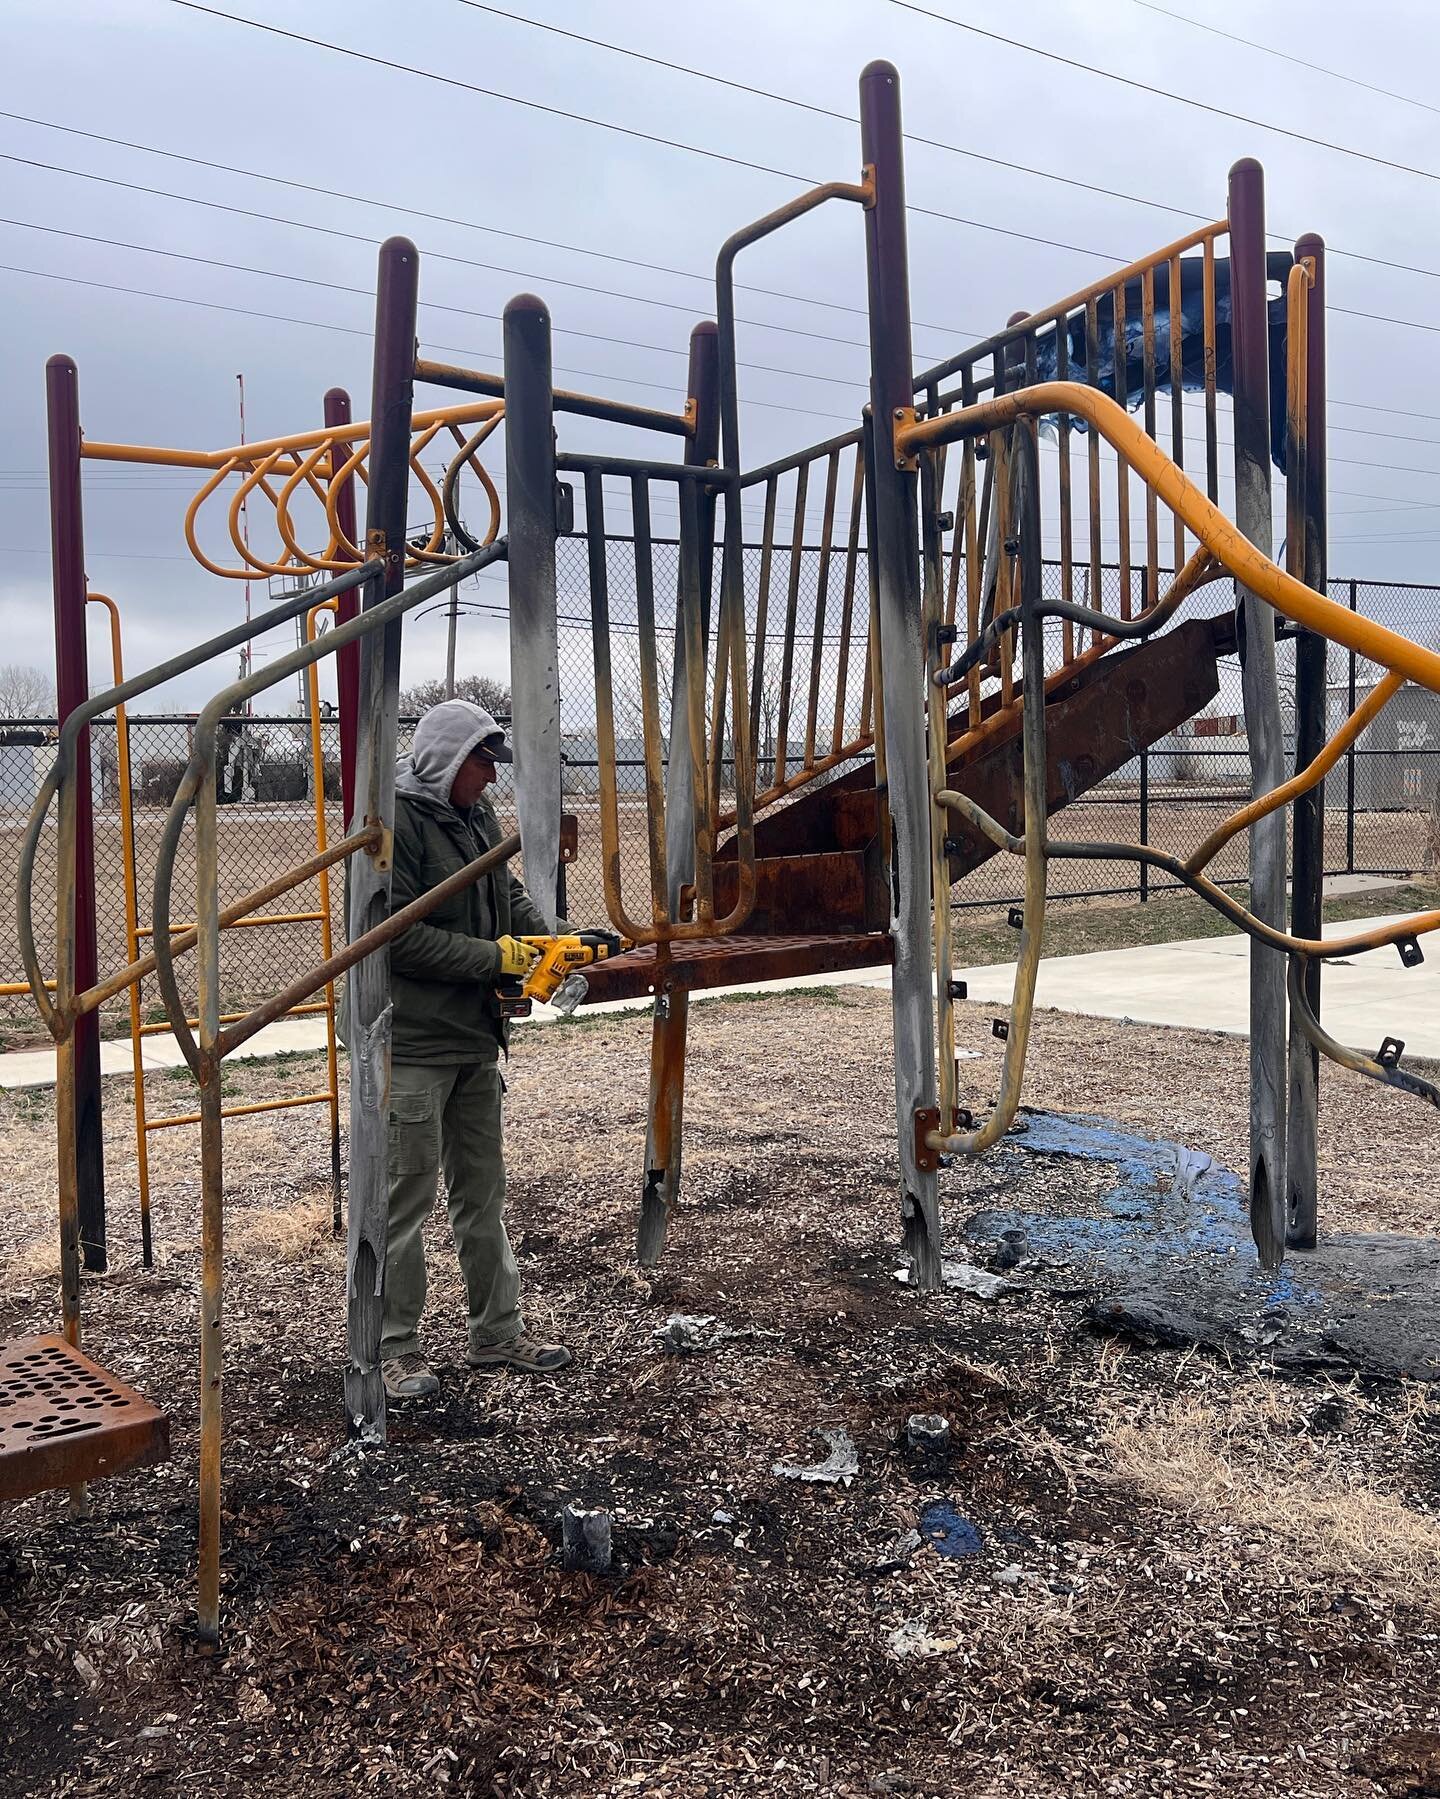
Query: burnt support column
(72, 689)
(895, 560)
(1250, 356)
(369, 900)
(534, 638)
(1307, 883)
(347, 661)
(670, 1022)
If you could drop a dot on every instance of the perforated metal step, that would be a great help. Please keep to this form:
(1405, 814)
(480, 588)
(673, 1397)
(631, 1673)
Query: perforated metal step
(64, 1419)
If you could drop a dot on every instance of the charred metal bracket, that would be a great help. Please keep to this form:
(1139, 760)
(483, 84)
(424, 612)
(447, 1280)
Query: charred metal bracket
(381, 848)
(1411, 953)
(959, 990)
(904, 418)
(1390, 1051)
(927, 1119)
(1000, 1027)
(377, 550)
(564, 509)
(569, 838)
(1015, 918)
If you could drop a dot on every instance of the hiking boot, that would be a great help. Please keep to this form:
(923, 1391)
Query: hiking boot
(408, 1376)
(523, 1353)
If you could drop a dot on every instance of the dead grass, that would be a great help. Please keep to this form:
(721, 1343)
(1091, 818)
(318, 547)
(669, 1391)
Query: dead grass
(1282, 1500)
(287, 1233)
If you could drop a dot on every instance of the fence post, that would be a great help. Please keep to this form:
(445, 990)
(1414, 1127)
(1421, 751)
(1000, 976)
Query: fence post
(368, 986)
(1250, 360)
(669, 1026)
(1312, 656)
(1350, 758)
(895, 559)
(534, 633)
(1145, 820)
(72, 689)
(347, 660)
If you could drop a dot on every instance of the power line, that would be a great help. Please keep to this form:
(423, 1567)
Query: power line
(355, 331)
(1285, 56)
(914, 137)
(1148, 87)
(649, 137)
(356, 237)
(438, 218)
(241, 268)
(765, 168)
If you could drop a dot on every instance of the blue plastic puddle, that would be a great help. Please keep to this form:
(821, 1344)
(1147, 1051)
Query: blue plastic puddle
(1149, 1213)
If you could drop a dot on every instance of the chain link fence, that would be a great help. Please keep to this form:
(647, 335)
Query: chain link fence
(1382, 804)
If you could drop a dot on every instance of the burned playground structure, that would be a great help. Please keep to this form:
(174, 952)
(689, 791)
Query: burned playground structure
(967, 707)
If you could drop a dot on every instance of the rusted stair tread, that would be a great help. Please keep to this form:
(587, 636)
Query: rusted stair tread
(734, 962)
(64, 1419)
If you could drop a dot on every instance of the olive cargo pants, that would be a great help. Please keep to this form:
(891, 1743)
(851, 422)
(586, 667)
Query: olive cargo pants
(448, 1120)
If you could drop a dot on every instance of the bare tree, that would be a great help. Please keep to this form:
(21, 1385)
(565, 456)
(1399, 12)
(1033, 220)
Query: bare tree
(480, 690)
(25, 692)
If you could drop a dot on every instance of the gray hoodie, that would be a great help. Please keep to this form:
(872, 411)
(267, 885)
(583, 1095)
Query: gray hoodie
(443, 739)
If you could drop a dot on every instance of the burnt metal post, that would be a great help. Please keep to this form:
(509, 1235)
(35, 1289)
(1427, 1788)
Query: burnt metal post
(72, 689)
(530, 500)
(1308, 852)
(669, 1026)
(1352, 702)
(347, 660)
(369, 899)
(1250, 360)
(895, 559)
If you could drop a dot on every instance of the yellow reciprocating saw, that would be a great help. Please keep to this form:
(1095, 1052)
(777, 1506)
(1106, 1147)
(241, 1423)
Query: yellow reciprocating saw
(556, 979)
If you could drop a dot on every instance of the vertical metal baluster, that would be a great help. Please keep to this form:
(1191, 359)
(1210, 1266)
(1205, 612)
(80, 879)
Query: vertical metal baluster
(649, 694)
(1310, 523)
(792, 599)
(847, 611)
(1152, 513)
(1208, 340)
(762, 625)
(1177, 395)
(212, 1200)
(1067, 546)
(693, 627)
(1122, 467)
(974, 527)
(1095, 591)
(597, 552)
(822, 595)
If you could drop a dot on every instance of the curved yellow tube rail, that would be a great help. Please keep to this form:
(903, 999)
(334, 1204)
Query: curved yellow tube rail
(1363, 715)
(1248, 565)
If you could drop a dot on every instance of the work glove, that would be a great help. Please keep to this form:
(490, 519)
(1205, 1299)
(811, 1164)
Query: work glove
(517, 957)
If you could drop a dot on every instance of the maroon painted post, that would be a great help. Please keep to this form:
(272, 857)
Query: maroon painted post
(895, 570)
(347, 661)
(1308, 848)
(72, 689)
(1250, 359)
(670, 1023)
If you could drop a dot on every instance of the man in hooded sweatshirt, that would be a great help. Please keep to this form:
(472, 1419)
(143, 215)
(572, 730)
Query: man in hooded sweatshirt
(447, 1035)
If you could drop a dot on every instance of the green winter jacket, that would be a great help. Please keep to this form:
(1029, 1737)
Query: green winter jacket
(443, 971)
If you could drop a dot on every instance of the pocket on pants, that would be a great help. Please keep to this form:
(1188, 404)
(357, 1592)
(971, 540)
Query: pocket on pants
(411, 1133)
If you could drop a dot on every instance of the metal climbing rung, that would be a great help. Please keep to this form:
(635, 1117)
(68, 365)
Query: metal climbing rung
(65, 1420)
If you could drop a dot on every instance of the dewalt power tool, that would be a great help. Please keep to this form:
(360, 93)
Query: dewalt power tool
(555, 978)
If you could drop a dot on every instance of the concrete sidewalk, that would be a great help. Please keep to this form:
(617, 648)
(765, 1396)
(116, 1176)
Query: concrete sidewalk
(1202, 984)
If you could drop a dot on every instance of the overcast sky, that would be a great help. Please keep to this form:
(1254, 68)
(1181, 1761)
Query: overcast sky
(156, 371)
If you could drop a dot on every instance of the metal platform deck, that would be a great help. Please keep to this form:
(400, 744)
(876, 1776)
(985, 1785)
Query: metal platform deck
(734, 962)
(64, 1420)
